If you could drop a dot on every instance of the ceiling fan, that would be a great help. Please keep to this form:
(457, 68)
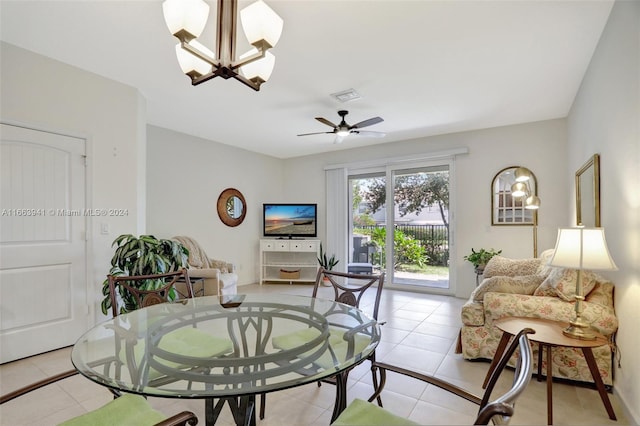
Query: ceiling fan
(343, 129)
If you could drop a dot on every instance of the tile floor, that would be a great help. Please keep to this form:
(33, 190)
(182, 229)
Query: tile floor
(419, 333)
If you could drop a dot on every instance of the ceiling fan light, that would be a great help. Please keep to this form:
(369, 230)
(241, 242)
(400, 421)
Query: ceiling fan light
(190, 63)
(342, 132)
(261, 68)
(518, 190)
(188, 16)
(260, 22)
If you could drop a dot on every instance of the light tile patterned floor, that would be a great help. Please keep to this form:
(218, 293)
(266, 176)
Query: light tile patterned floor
(419, 333)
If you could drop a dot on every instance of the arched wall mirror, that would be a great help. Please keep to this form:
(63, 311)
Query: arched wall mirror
(232, 208)
(514, 197)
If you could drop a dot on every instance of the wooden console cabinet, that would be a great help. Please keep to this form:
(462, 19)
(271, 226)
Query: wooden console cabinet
(280, 259)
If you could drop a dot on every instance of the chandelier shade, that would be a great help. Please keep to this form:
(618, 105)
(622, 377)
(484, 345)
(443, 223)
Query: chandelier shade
(186, 20)
(260, 22)
(190, 63)
(262, 68)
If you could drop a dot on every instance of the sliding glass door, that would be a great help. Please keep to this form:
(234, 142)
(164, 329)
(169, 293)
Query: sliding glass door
(367, 239)
(421, 226)
(400, 224)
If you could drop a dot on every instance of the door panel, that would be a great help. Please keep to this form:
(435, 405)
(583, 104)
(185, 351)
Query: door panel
(420, 239)
(27, 284)
(43, 299)
(399, 223)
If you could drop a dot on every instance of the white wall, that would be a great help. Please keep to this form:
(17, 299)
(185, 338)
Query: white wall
(49, 95)
(539, 146)
(185, 176)
(605, 119)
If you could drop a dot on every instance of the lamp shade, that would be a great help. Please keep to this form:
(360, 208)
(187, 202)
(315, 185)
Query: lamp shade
(582, 248)
(518, 189)
(532, 202)
(260, 22)
(261, 68)
(522, 174)
(190, 62)
(185, 15)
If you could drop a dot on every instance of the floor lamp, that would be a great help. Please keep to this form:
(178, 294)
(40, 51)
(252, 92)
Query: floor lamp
(522, 188)
(581, 248)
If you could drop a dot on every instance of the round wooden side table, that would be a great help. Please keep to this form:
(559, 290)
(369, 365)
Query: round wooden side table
(549, 335)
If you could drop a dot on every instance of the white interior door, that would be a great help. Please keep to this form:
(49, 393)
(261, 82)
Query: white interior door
(43, 292)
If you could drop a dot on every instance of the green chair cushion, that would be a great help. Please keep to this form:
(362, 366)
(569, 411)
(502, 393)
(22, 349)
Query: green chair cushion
(193, 342)
(364, 413)
(185, 341)
(336, 341)
(297, 338)
(127, 410)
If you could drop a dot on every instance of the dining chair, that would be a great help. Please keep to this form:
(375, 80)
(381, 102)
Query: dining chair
(187, 341)
(348, 288)
(127, 409)
(148, 290)
(499, 410)
(131, 409)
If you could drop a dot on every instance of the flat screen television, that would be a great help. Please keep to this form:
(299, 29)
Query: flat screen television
(290, 220)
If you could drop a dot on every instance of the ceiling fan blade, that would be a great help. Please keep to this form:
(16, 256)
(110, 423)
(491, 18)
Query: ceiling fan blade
(325, 121)
(315, 133)
(369, 122)
(368, 133)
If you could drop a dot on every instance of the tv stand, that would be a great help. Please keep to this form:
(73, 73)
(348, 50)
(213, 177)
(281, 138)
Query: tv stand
(288, 260)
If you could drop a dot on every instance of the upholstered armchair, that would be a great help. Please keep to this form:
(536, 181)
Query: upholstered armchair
(219, 276)
(531, 288)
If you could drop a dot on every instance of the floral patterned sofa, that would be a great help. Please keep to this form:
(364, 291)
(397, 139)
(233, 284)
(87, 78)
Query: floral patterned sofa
(531, 288)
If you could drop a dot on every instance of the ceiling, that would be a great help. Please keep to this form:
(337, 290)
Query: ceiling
(425, 67)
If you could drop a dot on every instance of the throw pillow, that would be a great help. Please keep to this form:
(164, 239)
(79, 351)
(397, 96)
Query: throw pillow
(219, 264)
(544, 268)
(502, 266)
(519, 285)
(546, 290)
(561, 283)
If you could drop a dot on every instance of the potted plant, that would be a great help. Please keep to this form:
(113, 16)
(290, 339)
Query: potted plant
(325, 261)
(144, 255)
(480, 258)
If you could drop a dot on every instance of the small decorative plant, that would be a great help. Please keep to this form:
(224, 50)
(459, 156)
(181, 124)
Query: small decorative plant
(325, 261)
(145, 255)
(480, 258)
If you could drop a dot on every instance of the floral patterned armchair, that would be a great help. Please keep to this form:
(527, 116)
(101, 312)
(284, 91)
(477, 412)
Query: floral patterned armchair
(531, 288)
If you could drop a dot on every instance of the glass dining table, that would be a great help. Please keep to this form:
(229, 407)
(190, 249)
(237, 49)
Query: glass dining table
(227, 350)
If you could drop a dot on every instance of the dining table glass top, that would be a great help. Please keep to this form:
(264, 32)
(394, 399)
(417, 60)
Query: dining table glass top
(209, 347)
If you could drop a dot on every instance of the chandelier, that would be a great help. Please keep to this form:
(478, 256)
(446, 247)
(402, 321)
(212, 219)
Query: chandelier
(262, 26)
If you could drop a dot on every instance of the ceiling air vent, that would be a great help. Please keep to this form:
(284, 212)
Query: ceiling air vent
(346, 95)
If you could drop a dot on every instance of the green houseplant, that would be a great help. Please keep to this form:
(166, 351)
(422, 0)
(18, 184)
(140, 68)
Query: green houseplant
(144, 255)
(480, 258)
(325, 261)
